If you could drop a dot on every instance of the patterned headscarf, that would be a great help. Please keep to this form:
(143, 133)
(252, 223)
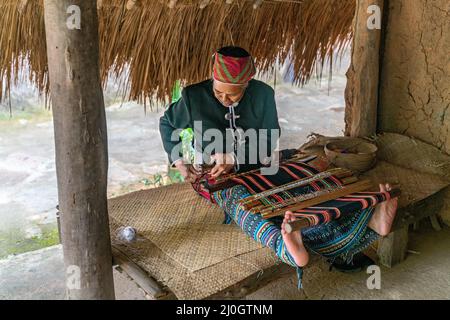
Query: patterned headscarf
(233, 68)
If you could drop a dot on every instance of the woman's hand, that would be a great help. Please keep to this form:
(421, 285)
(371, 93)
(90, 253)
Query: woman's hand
(224, 164)
(188, 171)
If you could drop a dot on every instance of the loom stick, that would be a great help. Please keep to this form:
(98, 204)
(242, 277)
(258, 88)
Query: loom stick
(302, 223)
(346, 190)
(253, 202)
(297, 225)
(292, 184)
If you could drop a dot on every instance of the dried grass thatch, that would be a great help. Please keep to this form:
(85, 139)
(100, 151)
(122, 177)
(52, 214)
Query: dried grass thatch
(155, 45)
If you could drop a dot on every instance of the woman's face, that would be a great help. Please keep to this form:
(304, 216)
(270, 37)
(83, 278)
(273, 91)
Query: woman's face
(228, 94)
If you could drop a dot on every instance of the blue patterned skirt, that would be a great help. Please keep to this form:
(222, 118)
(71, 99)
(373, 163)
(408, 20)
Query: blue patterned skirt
(341, 238)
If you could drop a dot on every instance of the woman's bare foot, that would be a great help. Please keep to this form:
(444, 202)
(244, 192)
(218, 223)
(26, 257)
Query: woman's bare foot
(384, 214)
(294, 242)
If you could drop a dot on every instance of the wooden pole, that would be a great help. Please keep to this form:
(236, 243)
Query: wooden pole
(81, 146)
(361, 94)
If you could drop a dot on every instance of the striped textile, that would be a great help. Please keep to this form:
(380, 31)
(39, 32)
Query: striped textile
(334, 209)
(341, 238)
(233, 70)
(289, 171)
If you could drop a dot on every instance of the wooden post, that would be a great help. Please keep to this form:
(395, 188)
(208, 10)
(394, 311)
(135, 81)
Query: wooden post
(392, 249)
(81, 146)
(361, 93)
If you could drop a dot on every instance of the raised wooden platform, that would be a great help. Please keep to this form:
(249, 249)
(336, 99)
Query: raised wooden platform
(166, 271)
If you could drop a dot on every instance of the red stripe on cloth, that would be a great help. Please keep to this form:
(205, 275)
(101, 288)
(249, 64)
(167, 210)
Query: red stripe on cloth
(249, 74)
(289, 172)
(312, 218)
(240, 181)
(364, 202)
(302, 169)
(267, 181)
(305, 171)
(372, 197)
(270, 184)
(261, 188)
(338, 212)
(336, 180)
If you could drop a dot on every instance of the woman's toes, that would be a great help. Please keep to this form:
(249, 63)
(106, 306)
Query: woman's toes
(290, 216)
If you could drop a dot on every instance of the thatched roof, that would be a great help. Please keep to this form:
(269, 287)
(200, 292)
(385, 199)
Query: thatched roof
(157, 44)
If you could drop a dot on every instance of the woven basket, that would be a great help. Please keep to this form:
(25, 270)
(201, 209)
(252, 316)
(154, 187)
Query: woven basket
(352, 154)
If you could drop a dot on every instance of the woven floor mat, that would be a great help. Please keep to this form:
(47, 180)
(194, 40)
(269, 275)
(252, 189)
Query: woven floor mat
(183, 225)
(415, 186)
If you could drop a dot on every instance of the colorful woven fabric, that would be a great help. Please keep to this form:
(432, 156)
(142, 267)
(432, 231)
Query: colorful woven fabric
(288, 172)
(341, 238)
(255, 183)
(265, 231)
(233, 70)
(334, 209)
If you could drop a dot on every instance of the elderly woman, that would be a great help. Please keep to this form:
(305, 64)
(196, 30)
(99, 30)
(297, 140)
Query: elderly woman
(233, 99)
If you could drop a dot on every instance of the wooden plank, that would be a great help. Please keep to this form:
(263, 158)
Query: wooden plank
(361, 93)
(392, 249)
(420, 210)
(435, 223)
(253, 283)
(142, 279)
(258, 280)
(80, 146)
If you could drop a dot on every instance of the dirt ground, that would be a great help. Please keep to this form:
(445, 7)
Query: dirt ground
(425, 274)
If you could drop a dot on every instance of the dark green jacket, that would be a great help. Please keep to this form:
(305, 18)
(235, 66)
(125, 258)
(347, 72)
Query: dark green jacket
(256, 109)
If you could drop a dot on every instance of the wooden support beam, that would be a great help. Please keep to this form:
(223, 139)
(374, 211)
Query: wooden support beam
(253, 283)
(435, 223)
(71, 29)
(142, 279)
(361, 93)
(392, 249)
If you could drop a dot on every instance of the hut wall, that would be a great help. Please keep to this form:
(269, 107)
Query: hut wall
(415, 73)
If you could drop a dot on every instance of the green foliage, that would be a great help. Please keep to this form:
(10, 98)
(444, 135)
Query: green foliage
(175, 176)
(14, 241)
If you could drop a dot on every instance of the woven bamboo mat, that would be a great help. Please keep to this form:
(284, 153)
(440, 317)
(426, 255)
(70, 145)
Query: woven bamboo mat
(181, 224)
(199, 284)
(415, 186)
(412, 154)
(182, 242)
(419, 168)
